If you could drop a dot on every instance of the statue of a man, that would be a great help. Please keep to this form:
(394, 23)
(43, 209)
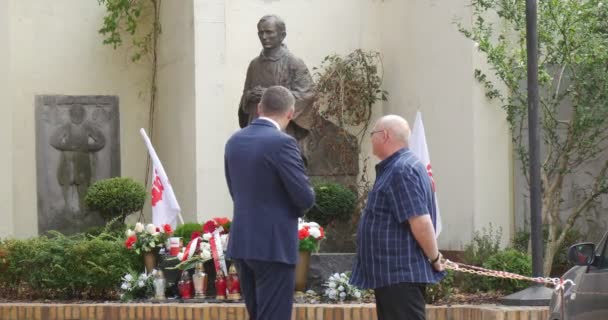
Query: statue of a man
(277, 66)
(77, 140)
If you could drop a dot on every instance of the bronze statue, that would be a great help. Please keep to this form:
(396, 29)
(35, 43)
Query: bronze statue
(277, 66)
(328, 150)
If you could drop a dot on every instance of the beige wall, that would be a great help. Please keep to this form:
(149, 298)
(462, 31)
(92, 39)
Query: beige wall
(174, 129)
(429, 67)
(212, 117)
(6, 127)
(54, 48)
(493, 159)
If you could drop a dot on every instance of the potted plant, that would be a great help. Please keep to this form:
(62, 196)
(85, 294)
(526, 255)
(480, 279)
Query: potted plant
(310, 234)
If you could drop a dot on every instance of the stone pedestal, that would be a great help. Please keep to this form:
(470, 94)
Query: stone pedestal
(323, 265)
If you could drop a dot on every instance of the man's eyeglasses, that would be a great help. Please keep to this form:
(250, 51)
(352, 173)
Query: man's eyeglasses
(371, 134)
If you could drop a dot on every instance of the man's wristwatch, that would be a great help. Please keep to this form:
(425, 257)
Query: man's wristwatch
(436, 259)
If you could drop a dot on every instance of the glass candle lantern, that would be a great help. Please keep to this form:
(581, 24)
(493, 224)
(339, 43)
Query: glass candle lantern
(159, 285)
(185, 285)
(200, 281)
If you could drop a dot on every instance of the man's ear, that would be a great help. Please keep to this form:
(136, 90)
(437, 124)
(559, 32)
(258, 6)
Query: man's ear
(283, 35)
(290, 113)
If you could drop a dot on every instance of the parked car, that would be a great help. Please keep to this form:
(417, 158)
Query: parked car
(588, 298)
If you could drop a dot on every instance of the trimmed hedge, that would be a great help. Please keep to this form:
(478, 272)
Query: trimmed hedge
(116, 197)
(333, 202)
(61, 267)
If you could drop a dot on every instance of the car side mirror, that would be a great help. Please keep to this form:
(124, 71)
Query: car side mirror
(582, 254)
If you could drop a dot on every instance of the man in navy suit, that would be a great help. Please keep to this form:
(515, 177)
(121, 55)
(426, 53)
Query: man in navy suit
(270, 191)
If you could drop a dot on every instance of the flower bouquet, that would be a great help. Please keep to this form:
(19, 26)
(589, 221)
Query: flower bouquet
(219, 222)
(199, 248)
(310, 235)
(136, 286)
(338, 288)
(147, 239)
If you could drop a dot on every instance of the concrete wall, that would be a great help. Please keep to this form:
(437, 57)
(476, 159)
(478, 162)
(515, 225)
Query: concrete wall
(174, 130)
(212, 116)
(6, 126)
(429, 67)
(493, 159)
(54, 48)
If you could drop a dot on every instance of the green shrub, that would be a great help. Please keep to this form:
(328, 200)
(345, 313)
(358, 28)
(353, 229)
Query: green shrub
(483, 245)
(111, 228)
(441, 290)
(115, 197)
(333, 202)
(560, 261)
(185, 230)
(520, 240)
(60, 267)
(509, 260)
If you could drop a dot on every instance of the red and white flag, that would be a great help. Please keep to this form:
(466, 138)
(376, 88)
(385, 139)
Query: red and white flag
(165, 209)
(420, 149)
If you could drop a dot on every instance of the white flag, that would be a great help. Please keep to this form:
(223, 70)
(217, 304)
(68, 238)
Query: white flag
(165, 209)
(420, 149)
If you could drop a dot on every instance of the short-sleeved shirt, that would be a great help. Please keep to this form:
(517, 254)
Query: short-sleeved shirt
(387, 252)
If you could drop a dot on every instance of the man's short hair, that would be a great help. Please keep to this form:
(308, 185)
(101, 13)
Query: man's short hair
(277, 100)
(278, 22)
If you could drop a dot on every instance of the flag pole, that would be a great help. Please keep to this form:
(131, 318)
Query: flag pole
(181, 219)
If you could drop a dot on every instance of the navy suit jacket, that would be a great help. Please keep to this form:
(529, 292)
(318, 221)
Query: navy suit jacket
(270, 191)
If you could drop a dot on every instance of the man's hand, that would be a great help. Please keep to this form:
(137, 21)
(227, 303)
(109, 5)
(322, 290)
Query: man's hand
(438, 266)
(424, 233)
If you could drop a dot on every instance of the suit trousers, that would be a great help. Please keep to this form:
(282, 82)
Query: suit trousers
(267, 288)
(403, 301)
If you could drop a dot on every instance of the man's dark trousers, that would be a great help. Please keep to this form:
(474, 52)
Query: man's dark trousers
(403, 301)
(267, 288)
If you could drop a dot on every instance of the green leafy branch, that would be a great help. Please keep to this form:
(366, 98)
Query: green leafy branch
(573, 85)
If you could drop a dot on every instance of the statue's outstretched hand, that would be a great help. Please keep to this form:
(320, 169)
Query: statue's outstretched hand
(255, 94)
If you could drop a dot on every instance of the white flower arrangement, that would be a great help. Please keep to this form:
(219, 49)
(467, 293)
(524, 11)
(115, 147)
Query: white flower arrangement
(338, 288)
(136, 286)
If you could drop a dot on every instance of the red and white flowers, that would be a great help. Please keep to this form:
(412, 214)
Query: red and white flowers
(199, 247)
(147, 238)
(310, 234)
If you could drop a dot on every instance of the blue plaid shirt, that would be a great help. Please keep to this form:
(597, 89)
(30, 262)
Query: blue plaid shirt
(387, 252)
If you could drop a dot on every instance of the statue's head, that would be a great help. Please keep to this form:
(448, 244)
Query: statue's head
(77, 114)
(271, 31)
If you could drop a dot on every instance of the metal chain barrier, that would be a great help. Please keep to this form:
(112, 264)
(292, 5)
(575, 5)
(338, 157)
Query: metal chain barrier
(557, 283)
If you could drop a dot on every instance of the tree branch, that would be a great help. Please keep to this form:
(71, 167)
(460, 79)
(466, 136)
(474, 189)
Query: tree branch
(599, 188)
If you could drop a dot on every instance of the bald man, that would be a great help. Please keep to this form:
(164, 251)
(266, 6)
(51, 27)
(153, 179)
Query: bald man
(397, 253)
